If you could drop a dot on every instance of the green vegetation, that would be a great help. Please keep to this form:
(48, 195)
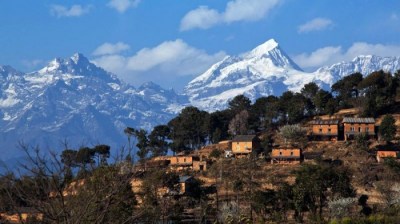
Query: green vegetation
(387, 129)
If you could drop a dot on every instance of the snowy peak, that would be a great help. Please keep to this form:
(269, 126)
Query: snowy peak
(150, 85)
(264, 48)
(78, 58)
(75, 66)
(364, 64)
(271, 50)
(265, 70)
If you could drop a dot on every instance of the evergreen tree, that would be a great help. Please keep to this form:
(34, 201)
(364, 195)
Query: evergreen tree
(158, 140)
(387, 129)
(238, 104)
(189, 130)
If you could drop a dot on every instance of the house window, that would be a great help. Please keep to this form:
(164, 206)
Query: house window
(329, 130)
(359, 129)
(184, 160)
(291, 153)
(280, 153)
(351, 128)
(367, 129)
(320, 130)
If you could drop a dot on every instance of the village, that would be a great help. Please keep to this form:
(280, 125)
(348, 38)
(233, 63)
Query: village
(330, 132)
(308, 157)
(196, 170)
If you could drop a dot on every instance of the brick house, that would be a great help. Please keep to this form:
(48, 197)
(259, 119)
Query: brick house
(324, 129)
(184, 162)
(356, 126)
(286, 155)
(245, 144)
(387, 151)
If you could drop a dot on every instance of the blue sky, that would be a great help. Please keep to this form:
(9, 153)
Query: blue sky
(172, 41)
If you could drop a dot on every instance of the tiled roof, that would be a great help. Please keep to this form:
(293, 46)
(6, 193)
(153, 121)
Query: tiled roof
(243, 138)
(359, 120)
(324, 122)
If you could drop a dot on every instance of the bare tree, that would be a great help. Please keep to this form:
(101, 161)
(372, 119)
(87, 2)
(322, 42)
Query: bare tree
(103, 195)
(239, 124)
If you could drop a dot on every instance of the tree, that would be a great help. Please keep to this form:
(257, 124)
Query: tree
(257, 114)
(320, 100)
(142, 143)
(129, 132)
(239, 124)
(293, 134)
(292, 106)
(238, 104)
(387, 129)
(103, 153)
(84, 157)
(158, 140)
(379, 90)
(310, 90)
(218, 123)
(273, 111)
(189, 130)
(347, 88)
(157, 204)
(313, 185)
(104, 195)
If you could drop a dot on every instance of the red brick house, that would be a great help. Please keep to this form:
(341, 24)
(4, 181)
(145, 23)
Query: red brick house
(286, 155)
(357, 126)
(324, 129)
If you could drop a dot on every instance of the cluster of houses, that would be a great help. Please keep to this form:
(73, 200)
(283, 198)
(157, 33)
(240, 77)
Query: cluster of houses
(343, 129)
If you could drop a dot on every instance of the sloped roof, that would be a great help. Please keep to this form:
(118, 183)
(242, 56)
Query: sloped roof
(389, 147)
(324, 122)
(359, 120)
(183, 179)
(243, 138)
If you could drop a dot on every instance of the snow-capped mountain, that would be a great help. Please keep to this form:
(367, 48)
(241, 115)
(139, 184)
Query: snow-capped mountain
(75, 101)
(364, 64)
(263, 71)
(72, 100)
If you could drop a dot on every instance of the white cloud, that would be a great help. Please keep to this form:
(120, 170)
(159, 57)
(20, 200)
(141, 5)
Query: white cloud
(334, 54)
(248, 10)
(322, 56)
(122, 5)
(73, 11)
(236, 10)
(315, 25)
(170, 59)
(109, 48)
(202, 18)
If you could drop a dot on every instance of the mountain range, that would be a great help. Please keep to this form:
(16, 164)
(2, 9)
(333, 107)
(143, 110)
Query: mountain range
(72, 101)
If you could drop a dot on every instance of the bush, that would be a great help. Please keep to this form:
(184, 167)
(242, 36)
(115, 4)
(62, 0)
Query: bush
(215, 153)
